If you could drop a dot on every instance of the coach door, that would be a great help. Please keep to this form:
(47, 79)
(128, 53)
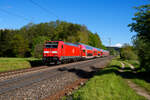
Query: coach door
(62, 51)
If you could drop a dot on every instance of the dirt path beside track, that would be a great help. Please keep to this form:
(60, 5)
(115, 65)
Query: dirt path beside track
(139, 90)
(122, 65)
(131, 66)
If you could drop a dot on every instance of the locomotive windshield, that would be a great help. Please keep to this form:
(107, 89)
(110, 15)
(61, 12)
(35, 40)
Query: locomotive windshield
(51, 45)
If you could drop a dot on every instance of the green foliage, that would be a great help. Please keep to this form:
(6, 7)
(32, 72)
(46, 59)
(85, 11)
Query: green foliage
(28, 41)
(95, 41)
(112, 51)
(127, 53)
(19, 45)
(5, 45)
(141, 41)
(67, 32)
(37, 47)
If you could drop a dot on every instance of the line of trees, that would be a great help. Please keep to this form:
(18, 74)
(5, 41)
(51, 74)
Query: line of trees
(141, 26)
(28, 41)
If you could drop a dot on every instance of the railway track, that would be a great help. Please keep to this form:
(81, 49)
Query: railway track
(36, 77)
(17, 73)
(39, 75)
(11, 74)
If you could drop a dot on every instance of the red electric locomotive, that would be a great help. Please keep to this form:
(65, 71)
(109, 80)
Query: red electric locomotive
(59, 51)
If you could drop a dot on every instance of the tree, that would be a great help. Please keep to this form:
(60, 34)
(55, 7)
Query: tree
(141, 25)
(19, 45)
(37, 47)
(127, 53)
(95, 41)
(5, 45)
(67, 32)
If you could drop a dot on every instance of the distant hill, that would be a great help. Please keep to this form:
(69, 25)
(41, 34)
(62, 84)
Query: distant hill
(116, 48)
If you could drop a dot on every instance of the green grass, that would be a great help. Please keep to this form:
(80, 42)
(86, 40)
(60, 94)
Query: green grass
(142, 83)
(140, 80)
(9, 64)
(135, 63)
(106, 85)
(115, 63)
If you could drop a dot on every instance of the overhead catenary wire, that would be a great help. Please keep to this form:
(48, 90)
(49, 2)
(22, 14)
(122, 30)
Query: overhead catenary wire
(14, 14)
(44, 9)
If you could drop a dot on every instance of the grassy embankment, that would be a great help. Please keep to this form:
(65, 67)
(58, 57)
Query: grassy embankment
(142, 79)
(9, 64)
(107, 84)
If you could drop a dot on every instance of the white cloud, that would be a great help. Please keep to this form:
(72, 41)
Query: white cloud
(117, 45)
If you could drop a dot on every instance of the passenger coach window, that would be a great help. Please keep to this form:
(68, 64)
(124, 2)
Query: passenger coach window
(84, 51)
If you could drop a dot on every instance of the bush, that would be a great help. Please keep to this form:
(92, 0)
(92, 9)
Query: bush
(127, 53)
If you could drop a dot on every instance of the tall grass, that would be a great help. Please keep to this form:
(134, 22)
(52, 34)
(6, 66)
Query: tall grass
(9, 64)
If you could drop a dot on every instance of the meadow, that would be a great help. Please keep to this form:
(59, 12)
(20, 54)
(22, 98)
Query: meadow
(10, 64)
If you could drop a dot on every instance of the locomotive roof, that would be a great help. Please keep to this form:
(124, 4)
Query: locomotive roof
(71, 44)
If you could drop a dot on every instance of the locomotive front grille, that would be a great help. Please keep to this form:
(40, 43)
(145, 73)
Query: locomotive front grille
(50, 59)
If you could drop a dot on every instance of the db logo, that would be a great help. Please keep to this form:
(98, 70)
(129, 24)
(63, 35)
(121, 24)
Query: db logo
(72, 50)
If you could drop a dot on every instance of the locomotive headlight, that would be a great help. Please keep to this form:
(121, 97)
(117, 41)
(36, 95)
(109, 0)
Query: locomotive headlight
(54, 51)
(46, 51)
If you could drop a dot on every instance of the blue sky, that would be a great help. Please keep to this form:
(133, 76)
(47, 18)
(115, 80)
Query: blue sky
(109, 18)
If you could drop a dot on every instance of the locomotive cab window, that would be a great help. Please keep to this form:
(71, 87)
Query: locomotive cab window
(62, 46)
(51, 45)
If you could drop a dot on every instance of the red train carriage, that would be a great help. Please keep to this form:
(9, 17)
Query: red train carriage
(83, 51)
(99, 52)
(105, 53)
(59, 51)
(102, 53)
(95, 51)
(86, 51)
